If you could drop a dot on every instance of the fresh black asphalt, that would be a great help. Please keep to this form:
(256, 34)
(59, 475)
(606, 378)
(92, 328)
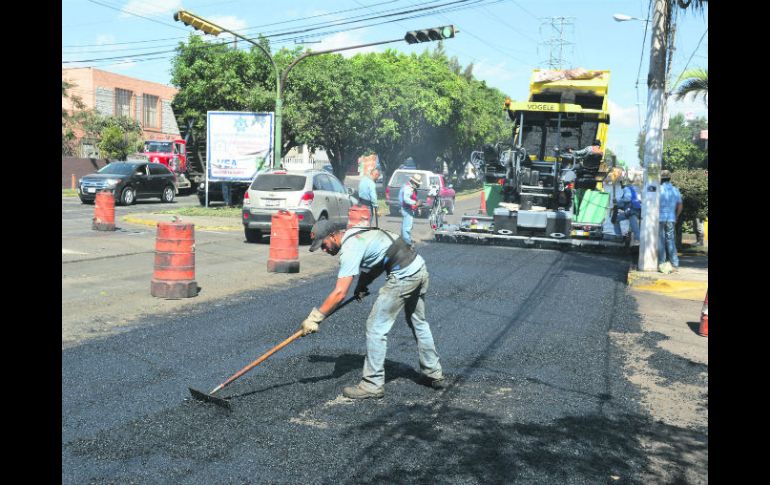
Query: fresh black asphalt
(536, 394)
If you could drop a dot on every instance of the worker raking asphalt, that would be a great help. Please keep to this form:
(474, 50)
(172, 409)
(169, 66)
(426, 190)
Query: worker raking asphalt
(535, 392)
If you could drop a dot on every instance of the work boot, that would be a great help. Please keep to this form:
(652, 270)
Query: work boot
(439, 383)
(358, 392)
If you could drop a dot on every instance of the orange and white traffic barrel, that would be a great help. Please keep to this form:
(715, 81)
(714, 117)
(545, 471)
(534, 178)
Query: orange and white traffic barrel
(104, 212)
(174, 275)
(284, 243)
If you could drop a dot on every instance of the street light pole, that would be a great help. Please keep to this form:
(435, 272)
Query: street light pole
(280, 78)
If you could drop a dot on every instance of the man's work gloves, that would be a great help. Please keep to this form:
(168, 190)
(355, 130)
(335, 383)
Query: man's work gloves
(310, 324)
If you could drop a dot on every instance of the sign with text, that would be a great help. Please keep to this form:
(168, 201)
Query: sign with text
(239, 144)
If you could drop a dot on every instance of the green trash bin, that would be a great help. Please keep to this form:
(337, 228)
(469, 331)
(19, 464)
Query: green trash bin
(493, 195)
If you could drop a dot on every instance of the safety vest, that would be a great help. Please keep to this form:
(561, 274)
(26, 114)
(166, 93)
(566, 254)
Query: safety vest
(636, 202)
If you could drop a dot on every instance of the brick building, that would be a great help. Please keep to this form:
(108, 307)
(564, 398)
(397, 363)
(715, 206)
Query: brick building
(115, 95)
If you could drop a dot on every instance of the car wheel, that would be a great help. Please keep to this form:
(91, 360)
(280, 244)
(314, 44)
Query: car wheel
(168, 194)
(252, 235)
(451, 209)
(128, 196)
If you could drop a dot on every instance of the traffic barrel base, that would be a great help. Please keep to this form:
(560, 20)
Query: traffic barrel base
(703, 331)
(104, 212)
(284, 243)
(174, 275)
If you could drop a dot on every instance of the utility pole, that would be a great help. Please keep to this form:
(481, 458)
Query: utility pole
(653, 141)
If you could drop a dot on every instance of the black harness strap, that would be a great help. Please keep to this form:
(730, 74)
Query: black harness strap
(398, 256)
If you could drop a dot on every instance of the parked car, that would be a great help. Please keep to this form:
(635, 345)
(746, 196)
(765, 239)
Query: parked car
(237, 191)
(129, 181)
(429, 179)
(312, 194)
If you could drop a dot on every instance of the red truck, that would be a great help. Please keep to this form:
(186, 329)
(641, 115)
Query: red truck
(171, 153)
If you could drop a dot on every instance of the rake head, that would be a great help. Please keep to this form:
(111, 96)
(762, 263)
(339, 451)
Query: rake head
(202, 396)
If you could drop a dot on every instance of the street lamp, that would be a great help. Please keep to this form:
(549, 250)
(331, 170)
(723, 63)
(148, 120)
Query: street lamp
(211, 28)
(619, 17)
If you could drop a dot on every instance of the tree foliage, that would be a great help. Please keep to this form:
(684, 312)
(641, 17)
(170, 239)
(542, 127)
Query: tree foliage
(694, 81)
(69, 120)
(679, 149)
(389, 103)
(118, 136)
(693, 185)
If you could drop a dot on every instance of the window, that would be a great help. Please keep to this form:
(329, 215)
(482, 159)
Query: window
(158, 169)
(338, 185)
(322, 182)
(123, 102)
(150, 104)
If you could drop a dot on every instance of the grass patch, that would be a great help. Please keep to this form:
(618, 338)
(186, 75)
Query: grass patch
(69, 192)
(204, 211)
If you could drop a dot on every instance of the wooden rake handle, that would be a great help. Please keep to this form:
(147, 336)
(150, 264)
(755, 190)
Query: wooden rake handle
(259, 360)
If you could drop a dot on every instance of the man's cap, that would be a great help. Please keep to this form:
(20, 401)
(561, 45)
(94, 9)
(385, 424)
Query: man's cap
(665, 174)
(321, 230)
(415, 179)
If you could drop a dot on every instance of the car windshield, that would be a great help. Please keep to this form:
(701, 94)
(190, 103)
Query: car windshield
(400, 178)
(158, 146)
(117, 168)
(275, 182)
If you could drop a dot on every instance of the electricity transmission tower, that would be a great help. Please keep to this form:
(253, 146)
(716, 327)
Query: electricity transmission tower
(556, 43)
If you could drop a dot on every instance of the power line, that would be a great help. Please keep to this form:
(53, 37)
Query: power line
(136, 15)
(526, 11)
(451, 8)
(247, 29)
(639, 71)
(691, 56)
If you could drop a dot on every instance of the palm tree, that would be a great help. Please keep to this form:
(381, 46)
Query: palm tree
(695, 81)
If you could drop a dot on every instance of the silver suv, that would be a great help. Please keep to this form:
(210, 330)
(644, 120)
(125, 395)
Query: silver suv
(312, 194)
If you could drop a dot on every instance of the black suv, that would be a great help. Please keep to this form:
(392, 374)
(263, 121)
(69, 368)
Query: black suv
(129, 181)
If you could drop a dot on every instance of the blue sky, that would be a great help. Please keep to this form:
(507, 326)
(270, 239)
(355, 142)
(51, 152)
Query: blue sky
(504, 39)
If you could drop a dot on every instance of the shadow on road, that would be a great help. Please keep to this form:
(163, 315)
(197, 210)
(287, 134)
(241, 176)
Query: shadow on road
(459, 445)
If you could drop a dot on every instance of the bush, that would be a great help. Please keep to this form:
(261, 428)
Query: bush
(693, 185)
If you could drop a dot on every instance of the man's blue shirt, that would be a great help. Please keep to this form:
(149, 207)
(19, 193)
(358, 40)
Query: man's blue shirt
(669, 198)
(364, 250)
(367, 190)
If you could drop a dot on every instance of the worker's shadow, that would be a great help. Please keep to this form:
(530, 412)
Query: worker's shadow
(344, 364)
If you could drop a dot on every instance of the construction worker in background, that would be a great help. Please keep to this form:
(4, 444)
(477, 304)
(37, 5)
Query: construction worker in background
(670, 209)
(629, 206)
(595, 149)
(368, 252)
(407, 196)
(367, 192)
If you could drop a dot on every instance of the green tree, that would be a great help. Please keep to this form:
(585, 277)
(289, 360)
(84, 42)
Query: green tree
(679, 149)
(116, 141)
(693, 185)
(69, 120)
(694, 81)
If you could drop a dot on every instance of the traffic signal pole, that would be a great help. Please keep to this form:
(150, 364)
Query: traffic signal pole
(207, 27)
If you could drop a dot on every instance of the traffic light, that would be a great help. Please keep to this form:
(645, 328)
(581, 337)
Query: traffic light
(429, 35)
(197, 23)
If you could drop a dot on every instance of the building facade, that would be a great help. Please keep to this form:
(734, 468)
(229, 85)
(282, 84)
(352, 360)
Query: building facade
(116, 95)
